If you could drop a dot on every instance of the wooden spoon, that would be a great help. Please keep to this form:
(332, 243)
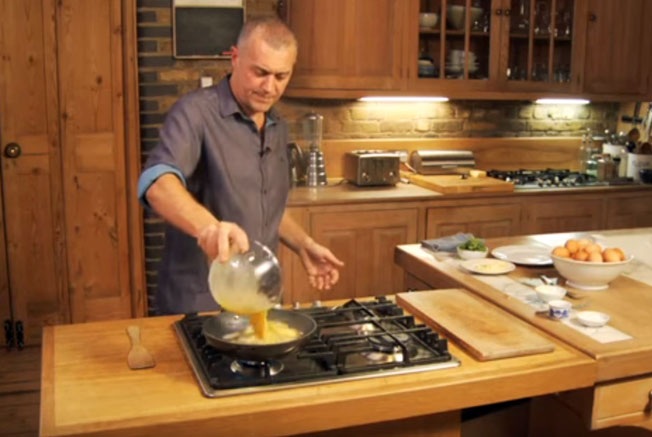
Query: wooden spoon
(139, 357)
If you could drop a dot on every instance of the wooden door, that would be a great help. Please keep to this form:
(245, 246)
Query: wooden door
(617, 56)
(92, 133)
(486, 220)
(348, 44)
(365, 241)
(35, 274)
(554, 214)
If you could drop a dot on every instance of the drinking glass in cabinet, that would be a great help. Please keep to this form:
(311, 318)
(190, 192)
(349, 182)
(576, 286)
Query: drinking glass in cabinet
(521, 19)
(542, 19)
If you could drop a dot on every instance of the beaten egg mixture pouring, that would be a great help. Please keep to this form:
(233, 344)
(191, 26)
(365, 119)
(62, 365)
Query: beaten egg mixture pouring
(264, 331)
(239, 294)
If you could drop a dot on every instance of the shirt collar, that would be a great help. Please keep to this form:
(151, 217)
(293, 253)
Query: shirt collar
(229, 105)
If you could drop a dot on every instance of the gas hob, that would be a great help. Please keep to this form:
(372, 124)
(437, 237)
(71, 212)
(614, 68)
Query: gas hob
(552, 178)
(357, 340)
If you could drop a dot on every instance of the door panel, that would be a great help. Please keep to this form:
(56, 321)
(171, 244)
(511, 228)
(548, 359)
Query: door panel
(365, 241)
(91, 83)
(32, 196)
(615, 58)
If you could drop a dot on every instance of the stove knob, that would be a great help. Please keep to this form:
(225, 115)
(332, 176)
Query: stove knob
(540, 182)
(317, 304)
(547, 183)
(296, 305)
(556, 180)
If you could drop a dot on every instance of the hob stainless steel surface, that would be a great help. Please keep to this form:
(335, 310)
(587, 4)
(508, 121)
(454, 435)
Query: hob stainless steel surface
(357, 340)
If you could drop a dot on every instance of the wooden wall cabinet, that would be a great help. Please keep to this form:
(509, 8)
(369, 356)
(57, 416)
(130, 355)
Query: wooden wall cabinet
(618, 47)
(346, 44)
(504, 45)
(66, 256)
(505, 49)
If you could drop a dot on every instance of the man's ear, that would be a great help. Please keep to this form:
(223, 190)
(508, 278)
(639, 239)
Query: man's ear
(234, 55)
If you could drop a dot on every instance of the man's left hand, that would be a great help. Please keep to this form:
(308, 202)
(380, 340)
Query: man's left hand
(320, 264)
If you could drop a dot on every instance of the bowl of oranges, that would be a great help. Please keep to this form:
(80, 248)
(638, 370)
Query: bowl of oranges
(587, 265)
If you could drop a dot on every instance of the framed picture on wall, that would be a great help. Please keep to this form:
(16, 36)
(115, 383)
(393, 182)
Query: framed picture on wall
(206, 28)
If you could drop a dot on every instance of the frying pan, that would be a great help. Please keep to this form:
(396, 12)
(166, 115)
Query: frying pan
(223, 324)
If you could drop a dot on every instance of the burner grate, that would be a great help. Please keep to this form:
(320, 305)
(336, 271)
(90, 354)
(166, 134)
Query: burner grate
(355, 340)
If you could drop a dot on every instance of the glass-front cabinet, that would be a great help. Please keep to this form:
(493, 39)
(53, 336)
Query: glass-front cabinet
(494, 45)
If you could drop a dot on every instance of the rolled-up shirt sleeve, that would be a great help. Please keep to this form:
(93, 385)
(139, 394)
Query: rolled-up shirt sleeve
(150, 175)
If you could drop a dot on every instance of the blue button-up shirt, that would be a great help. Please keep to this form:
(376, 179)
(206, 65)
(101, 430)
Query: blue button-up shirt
(225, 163)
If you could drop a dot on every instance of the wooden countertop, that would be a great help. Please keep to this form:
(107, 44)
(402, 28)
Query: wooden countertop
(340, 191)
(87, 388)
(627, 301)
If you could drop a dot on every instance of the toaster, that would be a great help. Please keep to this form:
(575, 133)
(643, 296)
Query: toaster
(372, 167)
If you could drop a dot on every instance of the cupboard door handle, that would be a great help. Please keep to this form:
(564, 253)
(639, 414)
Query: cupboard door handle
(9, 334)
(12, 150)
(499, 12)
(508, 12)
(648, 407)
(592, 17)
(20, 335)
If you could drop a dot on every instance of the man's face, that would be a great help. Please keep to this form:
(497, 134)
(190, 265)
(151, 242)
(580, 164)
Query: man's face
(260, 74)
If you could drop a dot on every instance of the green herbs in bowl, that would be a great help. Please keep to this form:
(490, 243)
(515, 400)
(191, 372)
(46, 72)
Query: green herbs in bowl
(472, 249)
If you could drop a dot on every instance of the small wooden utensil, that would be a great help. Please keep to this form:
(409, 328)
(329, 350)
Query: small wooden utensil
(139, 357)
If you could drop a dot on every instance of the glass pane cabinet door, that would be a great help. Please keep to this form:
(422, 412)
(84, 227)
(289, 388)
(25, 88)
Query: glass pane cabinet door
(540, 37)
(454, 44)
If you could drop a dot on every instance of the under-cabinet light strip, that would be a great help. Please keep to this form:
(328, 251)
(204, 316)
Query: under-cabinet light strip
(402, 99)
(562, 101)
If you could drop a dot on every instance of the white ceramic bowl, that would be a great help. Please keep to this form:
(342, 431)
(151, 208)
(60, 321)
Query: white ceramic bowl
(593, 319)
(588, 275)
(550, 292)
(455, 15)
(428, 19)
(472, 254)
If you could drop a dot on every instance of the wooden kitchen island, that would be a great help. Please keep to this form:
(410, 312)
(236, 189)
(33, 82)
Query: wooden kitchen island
(87, 389)
(622, 394)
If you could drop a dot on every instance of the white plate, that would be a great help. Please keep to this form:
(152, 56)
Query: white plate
(488, 266)
(526, 255)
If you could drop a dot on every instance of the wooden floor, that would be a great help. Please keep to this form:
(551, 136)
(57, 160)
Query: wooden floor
(20, 373)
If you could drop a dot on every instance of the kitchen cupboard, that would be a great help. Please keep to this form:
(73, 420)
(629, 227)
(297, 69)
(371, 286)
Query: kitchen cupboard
(488, 218)
(618, 47)
(502, 49)
(628, 211)
(363, 234)
(66, 241)
(364, 238)
(348, 44)
(514, 45)
(554, 214)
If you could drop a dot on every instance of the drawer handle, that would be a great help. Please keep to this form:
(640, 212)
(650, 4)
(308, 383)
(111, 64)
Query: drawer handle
(648, 407)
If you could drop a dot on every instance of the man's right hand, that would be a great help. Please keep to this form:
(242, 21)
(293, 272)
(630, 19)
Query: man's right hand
(223, 239)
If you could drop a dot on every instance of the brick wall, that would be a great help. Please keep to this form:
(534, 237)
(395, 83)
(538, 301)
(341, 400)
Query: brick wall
(162, 79)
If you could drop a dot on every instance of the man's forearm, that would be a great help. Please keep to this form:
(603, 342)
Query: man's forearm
(292, 234)
(170, 199)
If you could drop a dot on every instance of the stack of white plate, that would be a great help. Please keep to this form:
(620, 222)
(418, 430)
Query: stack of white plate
(456, 62)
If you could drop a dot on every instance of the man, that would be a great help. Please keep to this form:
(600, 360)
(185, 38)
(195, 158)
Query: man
(219, 174)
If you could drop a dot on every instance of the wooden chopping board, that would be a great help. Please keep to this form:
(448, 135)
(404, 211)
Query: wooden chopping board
(455, 184)
(482, 329)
